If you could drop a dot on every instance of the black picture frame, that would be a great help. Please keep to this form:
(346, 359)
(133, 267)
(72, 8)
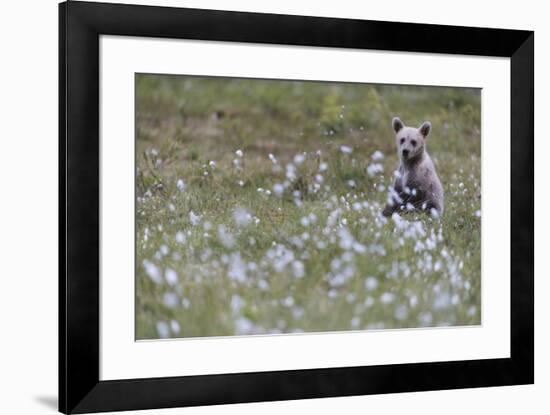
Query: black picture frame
(80, 26)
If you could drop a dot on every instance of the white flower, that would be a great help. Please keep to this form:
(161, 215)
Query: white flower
(171, 276)
(241, 216)
(163, 330)
(181, 185)
(375, 168)
(180, 237)
(272, 158)
(194, 219)
(299, 159)
(442, 301)
(212, 163)
(401, 312)
(323, 167)
(346, 149)
(243, 326)
(377, 155)
(288, 301)
(174, 325)
(170, 300)
(152, 271)
(371, 283)
(237, 303)
(297, 269)
(278, 189)
(425, 318)
(239, 153)
(387, 298)
(225, 237)
(237, 268)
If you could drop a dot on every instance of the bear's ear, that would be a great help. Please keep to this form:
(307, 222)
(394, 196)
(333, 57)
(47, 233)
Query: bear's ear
(425, 128)
(397, 124)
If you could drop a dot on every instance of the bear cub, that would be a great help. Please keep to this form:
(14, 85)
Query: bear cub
(416, 185)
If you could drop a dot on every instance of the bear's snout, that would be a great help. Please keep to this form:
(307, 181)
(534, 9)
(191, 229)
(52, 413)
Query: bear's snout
(405, 153)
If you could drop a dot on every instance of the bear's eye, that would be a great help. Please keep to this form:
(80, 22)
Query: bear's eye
(402, 140)
(413, 142)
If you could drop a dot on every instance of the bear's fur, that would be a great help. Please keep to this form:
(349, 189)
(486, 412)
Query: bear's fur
(416, 186)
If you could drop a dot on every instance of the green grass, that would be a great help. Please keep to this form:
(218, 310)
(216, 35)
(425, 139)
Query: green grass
(242, 259)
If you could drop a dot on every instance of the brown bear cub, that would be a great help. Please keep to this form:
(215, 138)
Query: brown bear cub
(416, 185)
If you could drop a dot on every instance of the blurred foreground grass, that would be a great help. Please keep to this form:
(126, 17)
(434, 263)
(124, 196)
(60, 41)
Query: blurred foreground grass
(258, 208)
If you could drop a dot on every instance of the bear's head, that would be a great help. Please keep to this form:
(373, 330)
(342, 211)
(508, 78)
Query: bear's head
(410, 141)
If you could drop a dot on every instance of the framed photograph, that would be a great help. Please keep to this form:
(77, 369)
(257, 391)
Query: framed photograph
(260, 207)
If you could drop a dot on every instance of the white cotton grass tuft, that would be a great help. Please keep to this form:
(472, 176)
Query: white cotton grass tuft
(170, 299)
(387, 298)
(237, 268)
(180, 184)
(401, 312)
(152, 271)
(371, 283)
(163, 329)
(239, 153)
(299, 159)
(374, 169)
(298, 269)
(194, 218)
(225, 237)
(278, 189)
(241, 216)
(181, 238)
(377, 155)
(171, 277)
(237, 303)
(175, 327)
(346, 149)
(243, 326)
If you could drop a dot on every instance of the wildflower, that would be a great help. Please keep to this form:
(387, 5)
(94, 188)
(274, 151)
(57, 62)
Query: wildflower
(241, 216)
(346, 149)
(152, 271)
(194, 219)
(180, 184)
(387, 298)
(180, 237)
(278, 189)
(171, 276)
(374, 169)
(377, 155)
(299, 159)
(371, 283)
(174, 325)
(163, 330)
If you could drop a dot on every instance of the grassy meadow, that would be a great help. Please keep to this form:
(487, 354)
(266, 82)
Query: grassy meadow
(258, 208)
